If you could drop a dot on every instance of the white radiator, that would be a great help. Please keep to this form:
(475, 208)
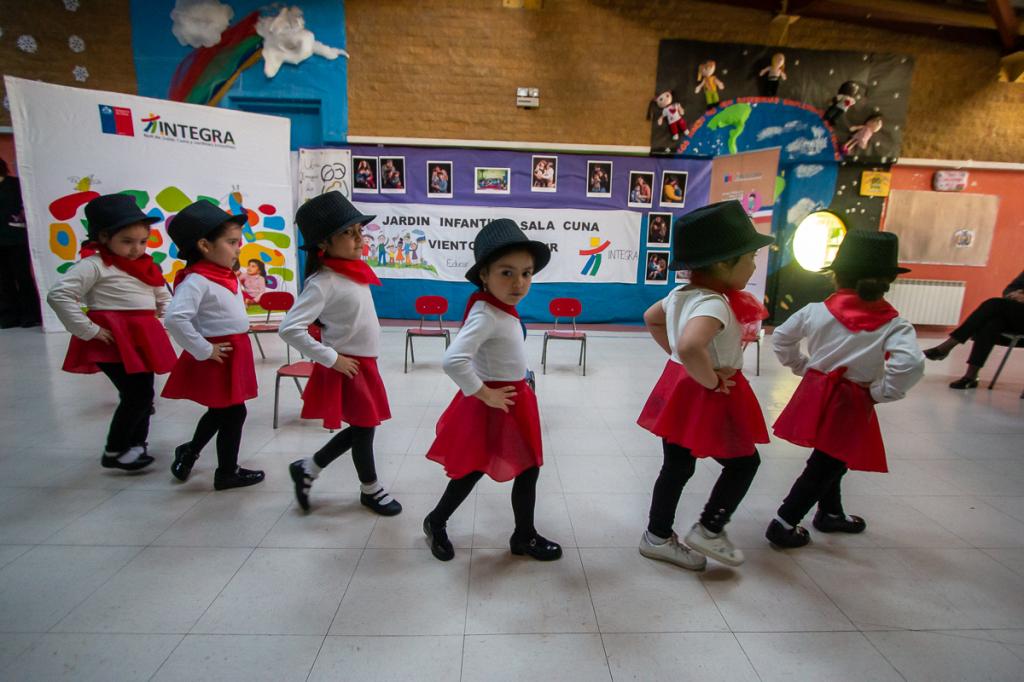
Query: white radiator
(928, 301)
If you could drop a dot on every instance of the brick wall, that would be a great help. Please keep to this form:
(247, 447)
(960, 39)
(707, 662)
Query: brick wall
(428, 68)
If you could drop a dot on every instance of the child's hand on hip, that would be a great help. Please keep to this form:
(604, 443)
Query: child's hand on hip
(498, 398)
(220, 351)
(105, 336)
(347, 366)
(725, 381)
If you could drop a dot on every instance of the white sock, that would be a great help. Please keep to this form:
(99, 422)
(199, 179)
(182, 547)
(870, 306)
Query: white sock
(654, 539)
(130, 455)
(311, 468)
(376, 490)
(785, 524)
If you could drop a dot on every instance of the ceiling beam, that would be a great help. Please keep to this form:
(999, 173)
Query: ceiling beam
(1006, 20)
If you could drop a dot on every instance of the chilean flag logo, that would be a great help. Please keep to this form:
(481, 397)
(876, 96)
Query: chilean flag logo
(116, 120)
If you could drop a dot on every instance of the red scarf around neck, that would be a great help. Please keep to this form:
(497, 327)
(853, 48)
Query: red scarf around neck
(211, 271)
(356, 270)
(142, 268)
(748, 310)
(859, 315)
(492, 300)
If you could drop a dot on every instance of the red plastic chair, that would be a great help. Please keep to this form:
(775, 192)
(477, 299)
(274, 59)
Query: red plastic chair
(272, 302)
(303, 369)
(427, 306)
(571, 308)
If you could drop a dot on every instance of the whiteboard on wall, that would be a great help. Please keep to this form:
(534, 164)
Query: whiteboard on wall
(942, 228)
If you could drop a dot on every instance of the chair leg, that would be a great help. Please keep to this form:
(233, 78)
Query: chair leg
(583, 344)
(544, 356)
(584, 349)
(277, 388)
(412, 350)
(1002, 363)
(260, 346)
(447, 339)
(407, 339)
(757, 372)
(298, 386)
(288, 354)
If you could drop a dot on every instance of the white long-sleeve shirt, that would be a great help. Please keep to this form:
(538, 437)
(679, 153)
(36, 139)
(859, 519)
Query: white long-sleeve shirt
(97, 286)
(202, 309)
(345, 308)
(489, 347)
(683, 304)
(863, 353)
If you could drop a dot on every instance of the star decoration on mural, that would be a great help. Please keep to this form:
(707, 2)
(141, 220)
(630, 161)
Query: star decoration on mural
(76, 44)
(27, 43)
(71, 5)
(80, 73)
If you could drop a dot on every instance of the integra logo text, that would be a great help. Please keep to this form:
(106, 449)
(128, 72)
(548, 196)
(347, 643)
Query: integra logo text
(182, 132)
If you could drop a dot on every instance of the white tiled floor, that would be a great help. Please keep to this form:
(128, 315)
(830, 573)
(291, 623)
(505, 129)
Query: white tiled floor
(106, 576)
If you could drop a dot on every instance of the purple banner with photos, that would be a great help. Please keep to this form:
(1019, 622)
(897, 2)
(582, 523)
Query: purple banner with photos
(658, 190)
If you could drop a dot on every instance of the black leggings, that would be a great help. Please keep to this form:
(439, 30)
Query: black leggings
(524, 499)
(820, 482)
(130, 424)
(360, 440)
(226, 423)
(986, 326)
(679, 465)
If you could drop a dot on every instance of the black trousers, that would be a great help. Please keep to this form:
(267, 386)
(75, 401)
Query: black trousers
(986, 326)
(677, 468)
(18, 296)
(130, 424)
(524, 499)
(360, 440)
(819, 482)
(225, 423)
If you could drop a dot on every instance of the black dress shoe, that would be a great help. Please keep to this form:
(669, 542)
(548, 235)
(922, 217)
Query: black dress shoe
(184, 460)
(790, 538)
(935, 354)
(240, 478)
(111, 462)
(963, 383)
(839, 524)
(376, 504)
(537, 546)
(440, 545)
(303, 482)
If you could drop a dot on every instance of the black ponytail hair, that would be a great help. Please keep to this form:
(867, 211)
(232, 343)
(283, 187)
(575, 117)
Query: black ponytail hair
(868, 287)
(193, 255)
(313, 262)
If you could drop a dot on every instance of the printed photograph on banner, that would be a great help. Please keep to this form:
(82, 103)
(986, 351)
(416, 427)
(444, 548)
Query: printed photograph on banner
(492, 180)
(659, 227)
(439, 179)
(640, 189)
(365, 180)
(392, 175)
(673, 188)
(657, 267)
(682, 277)
(599, 179)
(544, 176)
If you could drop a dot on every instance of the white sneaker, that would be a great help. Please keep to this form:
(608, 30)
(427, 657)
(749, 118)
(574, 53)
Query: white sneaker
(717, 546)
(672, 552)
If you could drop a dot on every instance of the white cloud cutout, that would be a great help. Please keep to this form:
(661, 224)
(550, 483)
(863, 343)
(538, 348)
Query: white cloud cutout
(199, 23)
(772, 131)
(286, 40)
(802, 209)
(809, 145)
(808, 170)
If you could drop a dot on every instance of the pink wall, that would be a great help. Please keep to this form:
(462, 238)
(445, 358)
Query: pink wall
(7, 152)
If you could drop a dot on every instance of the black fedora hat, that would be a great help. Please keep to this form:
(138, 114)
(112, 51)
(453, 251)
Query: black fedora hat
(323, 215)
(197, 220)
(867, 252)
(498, 237)
(714, 233)
(112, 211)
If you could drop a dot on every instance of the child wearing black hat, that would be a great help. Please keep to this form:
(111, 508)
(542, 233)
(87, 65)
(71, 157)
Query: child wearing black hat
(120, 336)
(492, 426)
(345, 385)
(702, 406)
(860, 352)
(207, 318)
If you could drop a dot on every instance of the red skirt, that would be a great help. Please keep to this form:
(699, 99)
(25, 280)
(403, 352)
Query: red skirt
(836, 416)
(140, 344)
(471, 436)
(334, 398)
(215, 384)
(708, 423)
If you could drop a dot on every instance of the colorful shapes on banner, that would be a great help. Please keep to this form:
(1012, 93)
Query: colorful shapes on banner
(64, 267)
(203, 197)
(258, 251)
(279, 240)
(65, 207)
(175, 266)
(248, 234)
(253, 217)
(63, 241)
(780, 186)
(172, 199)
(159, 257)
(173, 251)
(273, 222)
(235, 202)
(284, 273)
(141, 197)
(156, 240)
(268, 209)
(155, 213)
